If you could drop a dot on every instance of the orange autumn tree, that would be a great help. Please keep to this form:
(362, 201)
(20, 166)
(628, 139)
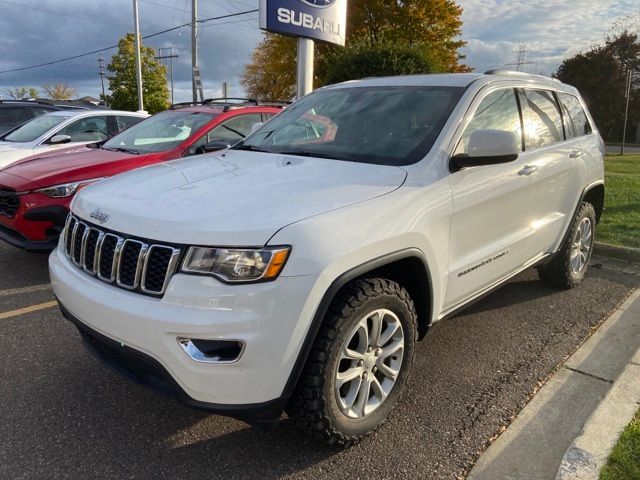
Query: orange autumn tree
(376, 28)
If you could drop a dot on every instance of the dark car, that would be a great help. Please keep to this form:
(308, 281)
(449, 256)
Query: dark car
(14, 113)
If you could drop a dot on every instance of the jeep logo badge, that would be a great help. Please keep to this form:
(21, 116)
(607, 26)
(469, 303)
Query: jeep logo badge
(100, 216)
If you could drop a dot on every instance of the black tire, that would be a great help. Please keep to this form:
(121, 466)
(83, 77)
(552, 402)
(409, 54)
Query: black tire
(559, 272)
(314, 404)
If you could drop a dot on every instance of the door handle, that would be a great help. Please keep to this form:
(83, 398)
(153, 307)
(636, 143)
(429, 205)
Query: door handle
(576, 154)
(528, 170)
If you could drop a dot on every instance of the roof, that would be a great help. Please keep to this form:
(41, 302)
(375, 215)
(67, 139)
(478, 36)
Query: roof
(455, 80)
(94, 113)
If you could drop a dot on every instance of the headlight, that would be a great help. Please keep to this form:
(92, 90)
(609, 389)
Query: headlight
(66, 189)
(236, 265)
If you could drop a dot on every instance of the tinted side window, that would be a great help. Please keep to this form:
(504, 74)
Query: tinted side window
(13, 115)
(234, 129)
(575, 120)
(37, 111)
(92, 129)
(125, 121)
(542, 120)
(497, 111)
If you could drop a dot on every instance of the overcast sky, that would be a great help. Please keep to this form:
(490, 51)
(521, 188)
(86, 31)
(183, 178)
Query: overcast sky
(38, 31)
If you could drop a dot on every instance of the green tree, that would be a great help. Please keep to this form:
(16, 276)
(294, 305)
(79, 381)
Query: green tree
(432, 26)
(601, 76)
(19, 93)
(363, 60)
(122, 82)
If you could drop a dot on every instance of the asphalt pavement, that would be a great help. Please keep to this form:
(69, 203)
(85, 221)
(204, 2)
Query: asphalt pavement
(63, 415)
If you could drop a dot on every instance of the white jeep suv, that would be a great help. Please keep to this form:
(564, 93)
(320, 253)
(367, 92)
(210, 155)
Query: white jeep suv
(297, 270)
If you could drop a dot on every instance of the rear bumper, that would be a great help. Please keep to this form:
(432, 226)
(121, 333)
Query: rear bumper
(146, 371)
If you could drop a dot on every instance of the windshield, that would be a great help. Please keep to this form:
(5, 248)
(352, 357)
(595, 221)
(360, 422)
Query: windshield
(161, 132)
(382, 125)
(31, 130)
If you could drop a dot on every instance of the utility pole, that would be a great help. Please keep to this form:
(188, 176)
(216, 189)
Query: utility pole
(170, 58)
(194, 47)
(101, 72)
(626, 113)
(136, 22)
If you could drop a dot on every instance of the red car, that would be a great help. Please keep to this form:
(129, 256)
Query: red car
(35, 192)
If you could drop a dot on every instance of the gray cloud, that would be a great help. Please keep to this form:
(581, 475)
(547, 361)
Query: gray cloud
(58, 28)
(54, 29)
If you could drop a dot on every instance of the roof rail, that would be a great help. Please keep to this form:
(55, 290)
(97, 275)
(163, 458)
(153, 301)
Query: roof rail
(503, 71)
(230, 103)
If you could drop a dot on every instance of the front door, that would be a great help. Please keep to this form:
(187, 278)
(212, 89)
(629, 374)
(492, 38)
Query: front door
(491, 226)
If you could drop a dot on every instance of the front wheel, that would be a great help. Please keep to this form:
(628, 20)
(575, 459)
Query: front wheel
(569, 265)
(359, 363)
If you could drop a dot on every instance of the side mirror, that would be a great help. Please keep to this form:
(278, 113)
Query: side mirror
(255, 127)
(488, 147)
(59, 139)
(212, 147)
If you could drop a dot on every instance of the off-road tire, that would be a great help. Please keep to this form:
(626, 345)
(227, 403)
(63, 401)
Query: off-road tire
(558, 272)
(313, 404)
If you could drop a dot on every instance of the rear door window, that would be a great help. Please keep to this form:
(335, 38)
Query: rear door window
(126, 121)
(497, 111)
(575, 119)
(13, 115)
(542, 120)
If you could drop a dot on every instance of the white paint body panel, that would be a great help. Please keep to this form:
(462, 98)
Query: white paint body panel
(336, 216)
(11, 152)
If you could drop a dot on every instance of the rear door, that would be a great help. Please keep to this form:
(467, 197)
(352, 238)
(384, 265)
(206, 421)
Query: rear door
(490, 230)
(551, 161)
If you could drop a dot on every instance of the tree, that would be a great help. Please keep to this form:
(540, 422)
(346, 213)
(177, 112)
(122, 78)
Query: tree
(433, 26)
(600, 74)
(122, 82)
(59, 91)
(362, 60)
(19, 93)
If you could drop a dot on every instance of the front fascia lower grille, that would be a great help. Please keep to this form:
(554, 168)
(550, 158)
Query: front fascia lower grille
(9, 202)
(133, 264)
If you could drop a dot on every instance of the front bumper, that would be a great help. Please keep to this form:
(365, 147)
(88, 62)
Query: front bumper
(37, 224)
(130, 329)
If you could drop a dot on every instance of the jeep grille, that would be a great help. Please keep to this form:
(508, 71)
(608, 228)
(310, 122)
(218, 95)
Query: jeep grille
(130, 263)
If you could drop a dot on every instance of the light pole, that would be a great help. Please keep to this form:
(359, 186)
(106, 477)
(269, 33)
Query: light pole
(136, 22)
(306, 49)
(626, 113)
(194, 47)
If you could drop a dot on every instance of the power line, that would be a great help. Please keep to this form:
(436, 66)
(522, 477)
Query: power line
(93, 52)
(23, 5)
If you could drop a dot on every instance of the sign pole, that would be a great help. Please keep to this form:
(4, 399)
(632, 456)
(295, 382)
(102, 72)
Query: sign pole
(306, 49)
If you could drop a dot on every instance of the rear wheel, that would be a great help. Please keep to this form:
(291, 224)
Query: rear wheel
(359, 363)
(568, 267)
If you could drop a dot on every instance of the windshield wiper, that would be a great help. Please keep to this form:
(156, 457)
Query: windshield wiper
(251, 148)
(123, 149)
(305, 153)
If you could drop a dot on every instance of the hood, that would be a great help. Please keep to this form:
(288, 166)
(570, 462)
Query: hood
(46, 170)
(11, 153)
(235, 198)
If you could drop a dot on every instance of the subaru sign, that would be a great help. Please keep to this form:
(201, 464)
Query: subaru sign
(324, 20)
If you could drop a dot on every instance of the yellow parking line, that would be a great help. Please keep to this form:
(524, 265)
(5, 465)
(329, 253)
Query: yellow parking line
(32, 308)
(31, 289)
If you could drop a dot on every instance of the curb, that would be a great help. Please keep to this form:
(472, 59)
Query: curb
(590, 450)
(616, 252)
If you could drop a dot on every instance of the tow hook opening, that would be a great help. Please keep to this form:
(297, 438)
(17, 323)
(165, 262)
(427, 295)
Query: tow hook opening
(212, 351)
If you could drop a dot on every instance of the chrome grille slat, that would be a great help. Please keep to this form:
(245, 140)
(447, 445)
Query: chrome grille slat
(127, 263)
